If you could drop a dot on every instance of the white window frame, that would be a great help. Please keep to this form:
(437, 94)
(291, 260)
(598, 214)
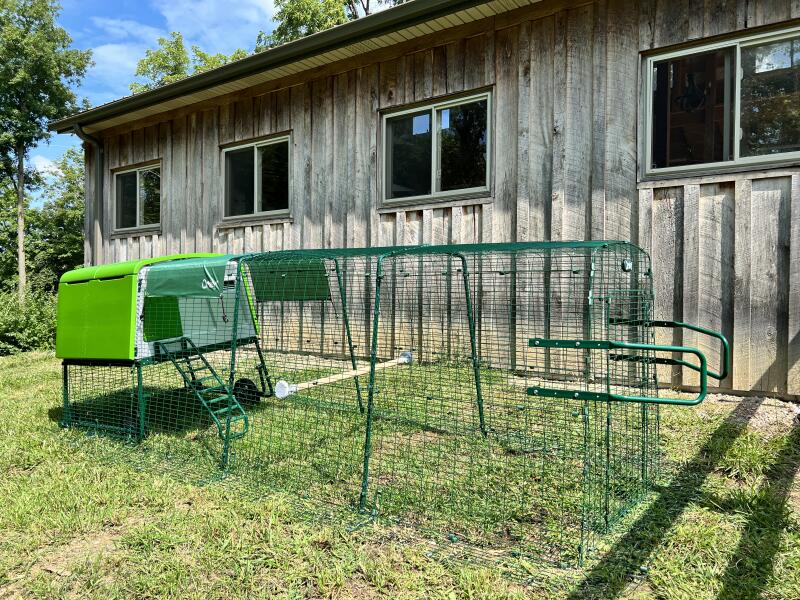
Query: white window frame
(281, 212)
(436, 170)
(737, 161)
(138, 170)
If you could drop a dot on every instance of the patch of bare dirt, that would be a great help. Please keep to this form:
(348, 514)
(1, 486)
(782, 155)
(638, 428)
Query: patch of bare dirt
(357, 587)
(60, 560)
(769, 416)
(793, 500)
(637, 590)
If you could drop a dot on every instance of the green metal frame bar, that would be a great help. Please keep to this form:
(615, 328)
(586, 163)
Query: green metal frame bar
(701, 368)
(476, 368)
(226, 442)
(66, 414)
(726, 348)
(345, 316)
(141, 401)
(362, 501)
(263, 372)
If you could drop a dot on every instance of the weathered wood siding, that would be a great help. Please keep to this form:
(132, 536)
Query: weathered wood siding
(566, 89)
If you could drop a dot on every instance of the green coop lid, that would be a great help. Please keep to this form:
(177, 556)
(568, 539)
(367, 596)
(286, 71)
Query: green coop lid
(120, 269)
(200, 277)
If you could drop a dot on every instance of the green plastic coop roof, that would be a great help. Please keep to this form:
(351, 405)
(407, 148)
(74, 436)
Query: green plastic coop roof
(120, 269)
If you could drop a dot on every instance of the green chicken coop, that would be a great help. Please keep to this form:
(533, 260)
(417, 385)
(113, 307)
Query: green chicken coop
(508, 388)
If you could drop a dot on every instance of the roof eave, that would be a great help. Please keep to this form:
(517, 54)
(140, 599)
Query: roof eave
(373, 25)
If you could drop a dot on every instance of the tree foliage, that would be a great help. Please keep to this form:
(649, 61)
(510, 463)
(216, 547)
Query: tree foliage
(298, 18)
(171, 61)
(54, 241)
(53, 230)
(38, 71)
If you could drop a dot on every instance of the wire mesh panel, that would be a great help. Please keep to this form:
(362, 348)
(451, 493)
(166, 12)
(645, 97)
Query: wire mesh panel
(102, 398)
(468, 390)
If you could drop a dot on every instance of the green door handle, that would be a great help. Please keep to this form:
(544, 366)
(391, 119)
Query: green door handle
(726, 348)
(701, 368)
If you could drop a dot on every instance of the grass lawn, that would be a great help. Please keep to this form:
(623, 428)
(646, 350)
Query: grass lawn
(78, 518)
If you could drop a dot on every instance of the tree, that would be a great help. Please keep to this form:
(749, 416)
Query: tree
(168, 63)
(298, 18)
(38, 69)
(171, 62)
(8, 225)
(55, 231)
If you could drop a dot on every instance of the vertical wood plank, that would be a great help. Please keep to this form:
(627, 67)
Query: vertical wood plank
(578, 126)
(137, 146)
(301, 164)
(691, 269)
(178, 206)
(475, 62)
(439, 72)
(620, 135)
(541, 150)
(600, 64)
(194, 158)
(558, 205)
(211, 199)
(742, 327)
(793, 352)
(388, 81)
(666, 253)
(340, 149)
(770, 200)
(455, 66)
(644, 238)
(503, 225)
(523, 113)
(716, 269)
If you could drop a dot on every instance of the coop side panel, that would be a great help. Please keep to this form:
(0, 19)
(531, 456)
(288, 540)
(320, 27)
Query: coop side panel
(96, 319)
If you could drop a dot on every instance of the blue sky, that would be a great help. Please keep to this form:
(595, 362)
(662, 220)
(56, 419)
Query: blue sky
(119, 32)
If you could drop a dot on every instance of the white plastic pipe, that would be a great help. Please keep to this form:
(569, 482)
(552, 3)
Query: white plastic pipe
(284, 389)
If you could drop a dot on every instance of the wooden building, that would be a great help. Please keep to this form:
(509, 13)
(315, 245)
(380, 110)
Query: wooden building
(675, 125)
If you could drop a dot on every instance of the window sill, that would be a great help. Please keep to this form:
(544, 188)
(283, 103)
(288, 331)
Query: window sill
(250, 220)
(445, 202)
(718, 174)
(135, 232)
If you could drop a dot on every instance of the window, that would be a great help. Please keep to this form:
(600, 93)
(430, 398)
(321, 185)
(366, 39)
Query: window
(138, 198)
(257, 178)
(727, 104)
(437, 151)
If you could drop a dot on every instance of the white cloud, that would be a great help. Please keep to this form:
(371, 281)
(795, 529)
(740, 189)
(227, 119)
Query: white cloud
(114, 68)
(218, 26)
(125, 29)
(44, 165)
(111, 59)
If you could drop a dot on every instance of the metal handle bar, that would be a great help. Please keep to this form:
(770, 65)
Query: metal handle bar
(701, 368)
(726, 348)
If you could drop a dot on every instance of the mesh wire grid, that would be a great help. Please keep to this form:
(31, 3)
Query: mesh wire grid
(396, 381)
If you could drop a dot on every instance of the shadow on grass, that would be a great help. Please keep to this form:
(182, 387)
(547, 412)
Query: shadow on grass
(168, 410)
(750, 567)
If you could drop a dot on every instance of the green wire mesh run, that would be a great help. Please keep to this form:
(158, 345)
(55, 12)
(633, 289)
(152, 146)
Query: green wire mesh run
(397, 381)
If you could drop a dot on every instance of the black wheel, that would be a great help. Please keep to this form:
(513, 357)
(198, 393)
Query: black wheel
(246, 392)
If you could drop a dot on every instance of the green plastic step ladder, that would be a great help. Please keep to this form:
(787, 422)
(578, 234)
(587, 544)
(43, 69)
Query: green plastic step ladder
(208, 387)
